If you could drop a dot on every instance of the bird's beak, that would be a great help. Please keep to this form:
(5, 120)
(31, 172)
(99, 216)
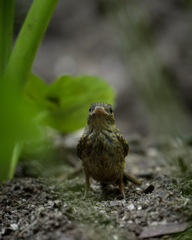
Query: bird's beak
(100, 110)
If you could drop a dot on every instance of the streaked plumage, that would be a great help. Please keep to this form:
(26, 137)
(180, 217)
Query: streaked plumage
(102, 148)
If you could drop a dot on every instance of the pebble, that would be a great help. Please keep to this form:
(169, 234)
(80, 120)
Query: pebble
(131, 207)
(139, 207)
(14, 226)
(115, 237)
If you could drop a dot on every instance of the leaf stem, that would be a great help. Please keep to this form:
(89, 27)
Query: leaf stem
(29, 38)
(6, 32)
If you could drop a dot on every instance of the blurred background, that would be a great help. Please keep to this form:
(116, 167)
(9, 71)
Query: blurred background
(142, 48)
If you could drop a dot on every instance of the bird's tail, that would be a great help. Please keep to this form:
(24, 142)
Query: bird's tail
(128, 177)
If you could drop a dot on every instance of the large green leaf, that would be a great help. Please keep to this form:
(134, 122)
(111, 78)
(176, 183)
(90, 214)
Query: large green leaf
(64, 104)
(69, 99)
(36, 90)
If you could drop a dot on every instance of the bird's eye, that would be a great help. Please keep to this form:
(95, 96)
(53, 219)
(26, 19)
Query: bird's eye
(89, 109)
(111, 110)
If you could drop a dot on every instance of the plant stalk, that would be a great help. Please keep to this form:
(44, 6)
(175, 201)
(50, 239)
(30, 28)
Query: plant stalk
(21, 60)
(6, 32)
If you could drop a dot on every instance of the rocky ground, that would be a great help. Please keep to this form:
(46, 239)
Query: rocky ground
(54, 208)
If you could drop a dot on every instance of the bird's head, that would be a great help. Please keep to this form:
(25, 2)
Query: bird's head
(101, 116)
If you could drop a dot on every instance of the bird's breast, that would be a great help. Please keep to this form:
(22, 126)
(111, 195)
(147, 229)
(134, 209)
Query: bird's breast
(102, 142)
(104, 158)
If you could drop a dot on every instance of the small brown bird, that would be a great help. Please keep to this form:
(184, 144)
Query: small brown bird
(102, 149)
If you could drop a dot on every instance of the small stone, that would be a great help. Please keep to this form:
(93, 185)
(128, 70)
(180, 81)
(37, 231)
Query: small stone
(14, 226)
(115, 237)
(139, 207)
(144, 205)
(149, 189)
(130, 221)
(51, 203)
(124, 218)
(57, 203)
(102, 211)
(131, 206)
(113, 203)
(154, 223)
(2, 231)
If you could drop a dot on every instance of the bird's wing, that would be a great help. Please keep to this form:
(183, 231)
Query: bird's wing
(81, 145)
(122, 141)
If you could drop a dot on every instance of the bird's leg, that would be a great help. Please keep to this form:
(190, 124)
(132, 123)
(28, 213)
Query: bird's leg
(121, 187)
(87, 184)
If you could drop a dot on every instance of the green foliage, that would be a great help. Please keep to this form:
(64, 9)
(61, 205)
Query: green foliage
(26, 101)
(186, 235)
(36, 90)
(185, 180)
(16, 124)
(66, 101)
(6, 31)
(71, 98)
(30, 35)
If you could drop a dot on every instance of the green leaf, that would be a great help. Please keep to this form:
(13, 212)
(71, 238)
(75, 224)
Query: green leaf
(69, 98)
(36, 89)
(18, 119)
(64, 104)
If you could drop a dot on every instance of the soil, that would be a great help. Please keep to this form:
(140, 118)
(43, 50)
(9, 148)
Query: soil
(54, 208)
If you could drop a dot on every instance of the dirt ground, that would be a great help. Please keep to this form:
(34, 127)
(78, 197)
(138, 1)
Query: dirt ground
(53, 207)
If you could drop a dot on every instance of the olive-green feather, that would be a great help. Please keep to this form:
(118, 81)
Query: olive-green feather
(122, 141)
